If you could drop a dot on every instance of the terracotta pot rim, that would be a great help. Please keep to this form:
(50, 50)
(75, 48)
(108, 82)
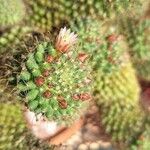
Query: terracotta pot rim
(65, 133)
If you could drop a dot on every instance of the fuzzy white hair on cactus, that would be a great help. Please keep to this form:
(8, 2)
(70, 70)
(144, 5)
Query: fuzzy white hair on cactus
(65, 40)
(40, 127)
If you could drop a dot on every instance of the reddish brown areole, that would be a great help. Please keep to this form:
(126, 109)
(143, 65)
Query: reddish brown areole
(39, 81)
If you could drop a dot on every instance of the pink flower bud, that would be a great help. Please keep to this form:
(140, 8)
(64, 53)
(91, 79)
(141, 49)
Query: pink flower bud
(65, 40)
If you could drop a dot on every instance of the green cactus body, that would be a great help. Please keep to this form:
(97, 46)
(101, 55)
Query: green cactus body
(12, 37)
(117, 92)
(12, 127)
(118, 96)
(54, 84)
(45, 14)
(138, 39)
(102, 43)
(94, 8)
(39, 17)
(143, 143)
(11, 12)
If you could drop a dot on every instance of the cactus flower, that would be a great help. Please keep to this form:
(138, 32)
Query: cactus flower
(65, 40)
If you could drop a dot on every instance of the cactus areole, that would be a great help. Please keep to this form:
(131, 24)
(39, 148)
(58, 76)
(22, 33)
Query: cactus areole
(54, 80)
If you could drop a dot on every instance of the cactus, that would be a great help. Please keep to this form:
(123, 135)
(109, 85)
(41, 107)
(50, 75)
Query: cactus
(97, 9)
(11, 12)
(104, 51)
(12, 37)
(116, 90)
(137, 36)
(143, 143)
(12, 127)
(54, 80)
(45, 14)
(118, 96)
(40, 16)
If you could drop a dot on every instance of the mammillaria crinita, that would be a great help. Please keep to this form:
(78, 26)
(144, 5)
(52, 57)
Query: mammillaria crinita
(55, 81)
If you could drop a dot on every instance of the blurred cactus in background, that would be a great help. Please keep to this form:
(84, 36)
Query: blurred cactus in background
(116, 87)
(12, 37)
(118, 96)
(96, 9)
(143, 143)
(45, 14)
(11, 12)
(99, 40)
(12, 127)
(137, 33)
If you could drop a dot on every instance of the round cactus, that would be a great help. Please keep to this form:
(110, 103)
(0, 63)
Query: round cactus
(102, 43)
(48, 13)
(45, 14)
(12, 37)
(138, 38)
(118, 96)
(54, 80)
(98, 9)
(11, 12)
(12, 127)
(40, 16)
(116, 90)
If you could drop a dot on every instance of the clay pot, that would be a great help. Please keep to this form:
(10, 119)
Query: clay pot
(49, 130)
(65, 133)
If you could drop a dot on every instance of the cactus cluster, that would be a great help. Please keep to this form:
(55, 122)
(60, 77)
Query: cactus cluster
(12, 127)
(54, 80)
(11, 12)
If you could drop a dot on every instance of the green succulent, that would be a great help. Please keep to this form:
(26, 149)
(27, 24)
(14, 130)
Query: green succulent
(54, 83)
(97, 9)
(143, 143)
(12, 127)
(12, 37)
(116, 90)
(118, 96)
(45, 14)
(137, 34)
(102, 43)
(11, 12)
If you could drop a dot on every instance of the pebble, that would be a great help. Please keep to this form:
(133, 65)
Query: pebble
(94, 146)
(82, 147)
